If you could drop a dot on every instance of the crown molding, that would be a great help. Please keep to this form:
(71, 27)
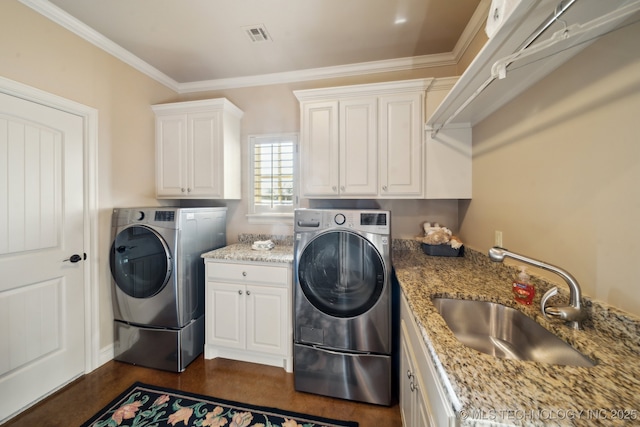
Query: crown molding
(364, 89)
(62, 18)
(402, 64)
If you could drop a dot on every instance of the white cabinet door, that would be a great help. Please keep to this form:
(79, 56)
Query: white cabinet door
(400, 140)
(407, 373)
(413, 406)
(171, 155)
(225, 315)
(320, 150)
(204, 153)
(358, 147)
(267, 315)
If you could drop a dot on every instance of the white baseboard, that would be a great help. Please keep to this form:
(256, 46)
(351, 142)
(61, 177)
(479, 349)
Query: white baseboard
(106, 354)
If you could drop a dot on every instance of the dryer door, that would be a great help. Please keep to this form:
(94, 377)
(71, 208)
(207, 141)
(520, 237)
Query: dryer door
(341, 274)
(140, 261)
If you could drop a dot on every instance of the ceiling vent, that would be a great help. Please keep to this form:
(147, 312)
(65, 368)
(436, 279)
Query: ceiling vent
(257, 33)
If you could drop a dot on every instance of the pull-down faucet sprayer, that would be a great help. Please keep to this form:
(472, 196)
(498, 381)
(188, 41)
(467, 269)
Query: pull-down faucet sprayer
(573, 313)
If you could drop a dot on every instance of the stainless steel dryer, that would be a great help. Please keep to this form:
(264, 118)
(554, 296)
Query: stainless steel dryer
(343, 304)
(158, 282)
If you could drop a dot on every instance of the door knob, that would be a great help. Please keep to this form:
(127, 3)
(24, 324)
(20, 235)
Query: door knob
(74, 258)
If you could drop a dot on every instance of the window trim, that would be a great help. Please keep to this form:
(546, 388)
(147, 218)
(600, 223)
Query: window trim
(253, 216)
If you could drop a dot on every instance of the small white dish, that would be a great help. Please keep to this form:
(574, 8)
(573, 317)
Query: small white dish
(262, 247)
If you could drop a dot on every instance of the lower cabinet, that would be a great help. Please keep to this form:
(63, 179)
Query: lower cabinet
(413, 405)
(248, 313)
(423, 401)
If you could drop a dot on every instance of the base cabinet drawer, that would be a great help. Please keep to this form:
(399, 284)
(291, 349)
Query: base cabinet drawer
(248, 273)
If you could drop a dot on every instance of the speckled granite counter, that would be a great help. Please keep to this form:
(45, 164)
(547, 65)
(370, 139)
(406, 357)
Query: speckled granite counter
(242, 252)
(492, 391)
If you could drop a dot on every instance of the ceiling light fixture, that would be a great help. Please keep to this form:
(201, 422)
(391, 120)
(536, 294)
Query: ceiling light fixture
(399, 21)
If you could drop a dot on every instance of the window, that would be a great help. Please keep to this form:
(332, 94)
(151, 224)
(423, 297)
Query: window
(272, 166)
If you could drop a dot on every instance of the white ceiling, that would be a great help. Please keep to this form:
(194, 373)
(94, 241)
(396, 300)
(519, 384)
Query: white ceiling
(203, 43)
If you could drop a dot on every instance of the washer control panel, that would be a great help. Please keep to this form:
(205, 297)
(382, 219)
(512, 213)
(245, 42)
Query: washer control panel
(373, 221)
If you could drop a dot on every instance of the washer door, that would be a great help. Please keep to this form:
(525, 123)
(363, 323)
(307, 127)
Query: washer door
(140, 261)
(341, 274)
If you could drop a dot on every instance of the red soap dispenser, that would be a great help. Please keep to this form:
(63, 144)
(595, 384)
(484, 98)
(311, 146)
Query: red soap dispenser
(523, 290)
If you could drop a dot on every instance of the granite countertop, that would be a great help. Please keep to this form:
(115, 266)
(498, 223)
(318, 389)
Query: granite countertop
(282, 252)
(490, 391)
(242, 252)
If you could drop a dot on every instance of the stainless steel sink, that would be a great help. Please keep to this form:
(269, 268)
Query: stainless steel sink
(504, 332)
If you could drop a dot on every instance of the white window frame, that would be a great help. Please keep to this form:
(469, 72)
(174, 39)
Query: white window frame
(279, 215)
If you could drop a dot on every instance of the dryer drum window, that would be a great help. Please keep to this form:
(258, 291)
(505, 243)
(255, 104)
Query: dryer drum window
(341, 274)
(140, 262)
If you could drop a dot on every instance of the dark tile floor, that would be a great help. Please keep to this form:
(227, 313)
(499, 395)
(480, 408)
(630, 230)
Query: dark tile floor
(226, 379)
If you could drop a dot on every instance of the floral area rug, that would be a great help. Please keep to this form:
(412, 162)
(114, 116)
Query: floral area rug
(151, 406)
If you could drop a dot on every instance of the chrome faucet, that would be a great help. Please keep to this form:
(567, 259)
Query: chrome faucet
(573, 313)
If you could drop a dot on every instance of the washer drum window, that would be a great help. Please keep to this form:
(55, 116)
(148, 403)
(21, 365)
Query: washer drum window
(140, 261)
(341, 274)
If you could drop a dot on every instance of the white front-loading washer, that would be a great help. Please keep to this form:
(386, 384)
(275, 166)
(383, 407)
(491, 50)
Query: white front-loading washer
(343, 343)
(158, 282)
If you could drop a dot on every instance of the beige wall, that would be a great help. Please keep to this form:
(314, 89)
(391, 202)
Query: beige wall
(558, 169)
(472, 50)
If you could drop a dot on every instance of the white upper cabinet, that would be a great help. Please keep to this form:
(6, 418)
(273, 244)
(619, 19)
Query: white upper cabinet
(198, 150)
(367, 141)
(363, 141)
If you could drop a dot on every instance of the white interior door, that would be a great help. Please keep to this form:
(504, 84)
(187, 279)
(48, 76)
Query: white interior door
(42, 317)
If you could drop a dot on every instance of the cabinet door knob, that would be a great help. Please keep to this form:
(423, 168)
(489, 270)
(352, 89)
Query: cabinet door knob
(188, 190)
(239, 292)
(413, 386)
(182, 190)
(384, 188)
(342, 188)
(334, 188)
(248, 292)
(244, 274)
